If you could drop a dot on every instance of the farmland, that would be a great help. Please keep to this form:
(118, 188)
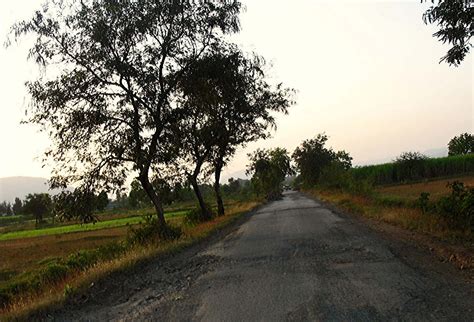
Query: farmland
(80, 227)
(33, 261)
(396, 173)
(411, 192)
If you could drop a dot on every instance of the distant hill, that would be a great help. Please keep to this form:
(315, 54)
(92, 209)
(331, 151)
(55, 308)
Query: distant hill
(12, 187)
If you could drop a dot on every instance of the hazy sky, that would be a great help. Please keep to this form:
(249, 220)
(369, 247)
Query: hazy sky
(366, 72)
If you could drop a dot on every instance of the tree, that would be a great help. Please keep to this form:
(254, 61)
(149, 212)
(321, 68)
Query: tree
(102, 201)
(410, 165)
(6, 208)
(269, 169)
(138, 198)
(455, 20)
(312, 156)
(462, 144)
(108, 104)
(79, 204)
(17, 206)
(230, 103)
(38, 205)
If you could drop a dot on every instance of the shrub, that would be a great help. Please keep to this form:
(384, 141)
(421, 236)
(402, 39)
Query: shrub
(54, 272)
(335, 176)
(152, 231)
(458, 207)
(195, 215)
(423, 202)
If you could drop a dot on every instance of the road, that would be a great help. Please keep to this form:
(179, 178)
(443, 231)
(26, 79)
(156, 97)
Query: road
(293, 259)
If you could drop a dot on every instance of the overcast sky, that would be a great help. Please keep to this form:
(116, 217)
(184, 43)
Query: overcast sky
(366, 72)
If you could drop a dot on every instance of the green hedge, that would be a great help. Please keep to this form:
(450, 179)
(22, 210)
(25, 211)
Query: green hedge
(392, 173)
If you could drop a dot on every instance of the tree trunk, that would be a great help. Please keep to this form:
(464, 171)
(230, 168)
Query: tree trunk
(217, 189)
(150, 191)
(205, 212)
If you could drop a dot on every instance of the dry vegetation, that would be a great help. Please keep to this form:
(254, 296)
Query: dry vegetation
(436, 189)
(395, 206)
(37, 251)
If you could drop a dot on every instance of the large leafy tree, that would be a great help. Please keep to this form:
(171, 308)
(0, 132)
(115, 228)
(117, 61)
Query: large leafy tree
(38, 204)
(17, 206)
(107, 102)
(231, 104)
(462, 144)
(312, 156)
(268, 169)
(455, 19)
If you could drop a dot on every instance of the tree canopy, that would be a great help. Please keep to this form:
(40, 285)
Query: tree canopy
(462, 144)
(109, 100)
(269, 168)
(455, 18)
(312, 156)
(228, 103)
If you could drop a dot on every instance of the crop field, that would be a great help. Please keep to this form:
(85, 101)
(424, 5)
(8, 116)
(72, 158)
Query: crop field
(393, 173)
(22, 259)
(411, 192)
(25, 250)
(80, 227)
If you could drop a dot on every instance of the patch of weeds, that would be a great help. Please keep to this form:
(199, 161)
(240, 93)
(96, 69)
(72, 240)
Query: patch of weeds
(152, 231)
(69, 290)
(195, 216)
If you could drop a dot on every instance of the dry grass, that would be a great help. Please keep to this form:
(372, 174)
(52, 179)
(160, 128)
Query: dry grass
(404, 217)
(54, 295)
(411, 192)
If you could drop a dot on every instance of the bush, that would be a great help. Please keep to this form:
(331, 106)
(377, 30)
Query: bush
(152, 231)
(458, 208)
(423, 202)
(195, 215)
(54, 272)
(335, 176)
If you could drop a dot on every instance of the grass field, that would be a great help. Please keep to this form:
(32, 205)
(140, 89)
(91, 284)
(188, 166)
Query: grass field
(411, 192)
(80, 227)
(23, 258)
(395, 205)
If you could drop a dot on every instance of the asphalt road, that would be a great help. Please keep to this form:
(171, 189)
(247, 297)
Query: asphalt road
(294, 259)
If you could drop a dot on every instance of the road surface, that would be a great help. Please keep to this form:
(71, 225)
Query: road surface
(293, 260)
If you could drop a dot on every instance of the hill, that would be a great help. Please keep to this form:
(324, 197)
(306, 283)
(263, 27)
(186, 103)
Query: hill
(12, 187)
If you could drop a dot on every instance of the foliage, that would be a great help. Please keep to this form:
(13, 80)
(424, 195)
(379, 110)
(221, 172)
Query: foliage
(195, 216)
(455, 19)
(6, 209)
(17, 206)
(108, 102)
(38, 204)
(423, 202)
(228, 103)
(458, 207)
(76, 205)
(138, 198)
(410, 165)
(269, 169)
(151, 232)
(312, 156)
(462, 144)
(392, 173)
(102, 201)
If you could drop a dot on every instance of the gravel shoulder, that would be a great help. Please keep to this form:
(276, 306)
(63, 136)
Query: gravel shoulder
(293, 259)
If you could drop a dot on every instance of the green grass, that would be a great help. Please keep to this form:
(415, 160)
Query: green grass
(81, 228)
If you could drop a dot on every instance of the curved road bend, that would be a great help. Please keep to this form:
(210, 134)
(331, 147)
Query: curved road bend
(292, 260)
